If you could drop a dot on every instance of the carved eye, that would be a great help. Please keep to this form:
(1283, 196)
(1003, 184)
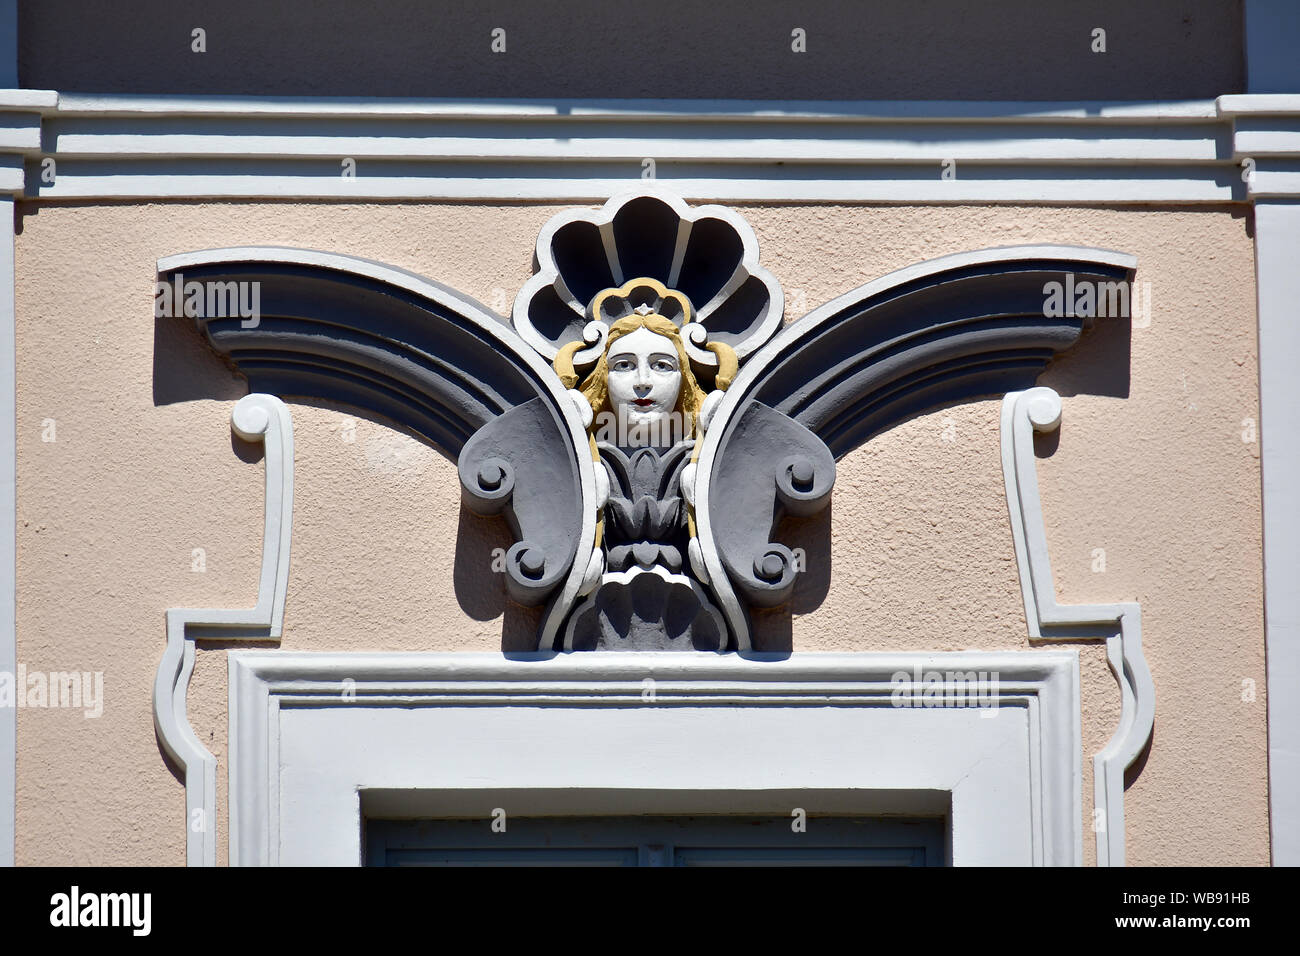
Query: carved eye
(621, 365)
(665, 365)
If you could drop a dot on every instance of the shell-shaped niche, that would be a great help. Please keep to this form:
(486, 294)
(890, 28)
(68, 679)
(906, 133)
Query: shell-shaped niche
(707, 253)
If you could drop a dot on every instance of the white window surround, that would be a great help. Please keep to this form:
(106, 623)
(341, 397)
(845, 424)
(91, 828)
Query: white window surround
(461, 734)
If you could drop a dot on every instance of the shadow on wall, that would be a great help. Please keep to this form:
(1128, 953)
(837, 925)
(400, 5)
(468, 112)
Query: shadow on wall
(773, 629)
(481, 544)
(185, 369)
(1098, 365)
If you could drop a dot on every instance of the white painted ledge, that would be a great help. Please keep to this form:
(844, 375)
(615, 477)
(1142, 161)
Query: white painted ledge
(39, 100)
(702, 109)
(1276, 104)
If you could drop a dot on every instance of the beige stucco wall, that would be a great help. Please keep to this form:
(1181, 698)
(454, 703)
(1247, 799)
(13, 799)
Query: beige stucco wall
(915, 552)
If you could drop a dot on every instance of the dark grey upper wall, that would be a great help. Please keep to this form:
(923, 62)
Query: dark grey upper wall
(890, 49)
(1272, 29)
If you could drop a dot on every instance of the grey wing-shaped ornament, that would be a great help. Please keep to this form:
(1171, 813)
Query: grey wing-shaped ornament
(943, 331)
(397, 344)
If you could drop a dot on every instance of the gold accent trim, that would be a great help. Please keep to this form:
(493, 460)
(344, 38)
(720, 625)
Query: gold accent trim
(625, 290)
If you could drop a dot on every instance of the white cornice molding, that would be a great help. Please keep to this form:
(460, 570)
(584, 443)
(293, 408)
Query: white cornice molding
(255, 417)
(1265, 142)
(114, 147)
(1023, 413)
(700, 110)
(117, 147)
(1274, 104)
(21, 116)
(40, 101)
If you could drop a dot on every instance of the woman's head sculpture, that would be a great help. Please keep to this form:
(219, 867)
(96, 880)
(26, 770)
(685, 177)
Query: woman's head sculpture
(643, 383)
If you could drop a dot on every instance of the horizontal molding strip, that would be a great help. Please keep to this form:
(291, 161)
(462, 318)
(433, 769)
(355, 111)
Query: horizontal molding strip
(701, 110)
(307, 673)
(899, 184)
(625, 139)
(122, 147)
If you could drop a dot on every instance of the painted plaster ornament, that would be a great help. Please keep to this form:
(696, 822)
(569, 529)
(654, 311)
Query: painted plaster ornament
(647, 414)
(642, 420)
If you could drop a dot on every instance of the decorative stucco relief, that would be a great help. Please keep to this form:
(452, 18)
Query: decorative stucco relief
(256, 418)
(643, 422)
(644, 447)
(1120, 625)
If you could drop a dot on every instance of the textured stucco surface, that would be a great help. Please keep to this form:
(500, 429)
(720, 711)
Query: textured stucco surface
(915, 552)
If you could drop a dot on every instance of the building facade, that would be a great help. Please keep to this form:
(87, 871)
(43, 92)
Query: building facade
(977, 542)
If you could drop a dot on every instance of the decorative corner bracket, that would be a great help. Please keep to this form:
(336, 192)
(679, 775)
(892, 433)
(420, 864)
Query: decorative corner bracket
(255, 417)
(1023, 413)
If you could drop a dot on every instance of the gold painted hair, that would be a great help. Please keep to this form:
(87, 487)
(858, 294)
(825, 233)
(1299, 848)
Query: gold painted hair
(690, 397)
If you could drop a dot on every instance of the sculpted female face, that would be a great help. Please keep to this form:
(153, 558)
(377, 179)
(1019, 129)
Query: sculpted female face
(645, 378)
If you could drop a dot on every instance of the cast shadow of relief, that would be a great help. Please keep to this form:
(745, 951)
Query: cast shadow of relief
(186, 369)
(1099, 364)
